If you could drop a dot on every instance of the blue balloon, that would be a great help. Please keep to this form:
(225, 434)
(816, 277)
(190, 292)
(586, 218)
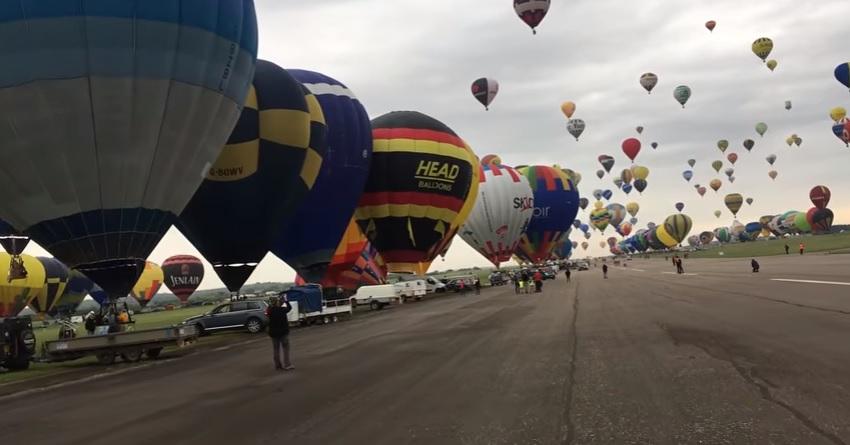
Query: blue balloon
(584, 228)
(311, 238)
(113, 109)
(76, 289)
(687, 174)
(627, 188)
(607, 194)
(633, 221)
(564, 250)
(842, 74)
(99, 295)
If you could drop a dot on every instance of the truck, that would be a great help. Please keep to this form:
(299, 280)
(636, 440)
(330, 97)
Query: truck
(409, 285)
(309, 307)
(377, 297)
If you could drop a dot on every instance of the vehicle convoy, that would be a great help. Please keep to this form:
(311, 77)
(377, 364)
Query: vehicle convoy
(377, 297)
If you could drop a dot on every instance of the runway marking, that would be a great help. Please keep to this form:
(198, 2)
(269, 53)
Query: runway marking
(674, 273)
(636, 270)
(834, 283)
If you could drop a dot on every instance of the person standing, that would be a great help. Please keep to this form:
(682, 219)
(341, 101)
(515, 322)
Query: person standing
(477, 286)
(90, 323)
(567, 273)
(279, 330)
(802, 248)
(755, 265)
(605, 271)
(538, 281)
(679, 268)
(517, 283)
(787, 249)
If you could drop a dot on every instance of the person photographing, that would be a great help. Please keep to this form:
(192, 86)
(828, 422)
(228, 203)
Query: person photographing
(279, 330)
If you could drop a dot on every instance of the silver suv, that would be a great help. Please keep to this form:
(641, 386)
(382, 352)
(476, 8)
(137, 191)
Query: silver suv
(250, 315)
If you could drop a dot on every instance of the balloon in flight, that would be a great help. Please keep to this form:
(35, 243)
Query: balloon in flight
(710, 25)
(733, 202)
(576, 127)
(631, 148)
(762, 47)
(485, 90)
(722, 145)
(648, 81)
(532, 12)
(761, 128)
(820, 195)
(568, 108)
(842, 74)
(607, 162)
(682, 94)
(772, 64)
(749, 144)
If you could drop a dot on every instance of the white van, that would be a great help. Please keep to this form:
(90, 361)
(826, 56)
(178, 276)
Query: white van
(409, 285)
(376, 297)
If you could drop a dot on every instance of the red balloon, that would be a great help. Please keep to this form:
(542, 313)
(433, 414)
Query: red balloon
(182, 275)
(732, 157)
(820, 195)
(710, 25)
(631, 147)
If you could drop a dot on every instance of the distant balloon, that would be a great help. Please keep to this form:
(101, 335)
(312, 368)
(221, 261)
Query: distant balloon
(633, 208)
(798, 141)
(729, 172)
(640, 172)
(701, 190)
(837, 113)
(491, 159)
(717, 165)
(568, 108)
(584, 245)
(680, 206)
(626, 176)
(633, 220)
(687, 174)
(678, 227)
(770, 159)
(682, 93)
(773, 174)
(617, 214)
(717, 213)
(640, 185)
(749, 144)
(715, 184)
(627, 188)
(600, 173)
(692, 162)
(639, 130)
(597, 194)
(607, 194)
(732, 158)
(841, 130)
(583, 203)
(733, 202)
(820, 195)
(607, 162)
(182, 275)
(631, 147)
(710, 25)
(772, 64)
(532, 12)
(485, 90)
(722, 144)
(787, 104)
(654, 145)
(790, 140)
(600, 218)
(575, 127)
(576, 223)
(762, 47)
(731, 178)
(842, 74)
(761, 128)
(648, 81)
(749, 201)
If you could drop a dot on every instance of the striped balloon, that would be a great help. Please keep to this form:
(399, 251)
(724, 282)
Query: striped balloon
(678, 226)
(56, 278)
(556, 203)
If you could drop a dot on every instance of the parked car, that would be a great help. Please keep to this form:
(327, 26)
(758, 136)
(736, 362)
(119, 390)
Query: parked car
(454, 283)
(248, 314)
(548, 274)
(582, 266)
(498, 279)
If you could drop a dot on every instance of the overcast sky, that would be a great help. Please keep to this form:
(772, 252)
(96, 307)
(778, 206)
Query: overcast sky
(423, 56)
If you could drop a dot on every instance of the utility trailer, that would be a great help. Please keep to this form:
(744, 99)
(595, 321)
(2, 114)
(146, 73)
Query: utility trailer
(310, 307)
(130, 345)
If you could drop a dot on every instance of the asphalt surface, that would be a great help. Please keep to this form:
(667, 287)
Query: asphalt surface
(719, 355)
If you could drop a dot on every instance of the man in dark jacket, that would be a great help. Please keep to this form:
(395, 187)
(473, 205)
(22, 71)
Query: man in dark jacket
(279, 330)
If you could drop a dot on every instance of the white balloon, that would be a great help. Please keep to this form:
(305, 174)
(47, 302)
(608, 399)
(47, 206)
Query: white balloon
(575, 127)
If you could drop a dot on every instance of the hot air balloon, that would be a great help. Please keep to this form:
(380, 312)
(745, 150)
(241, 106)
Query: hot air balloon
(749, 201)
(138, 98)
(633, 208)
(491, 159)
(607, 162)
(731, 178)
(583, 203)
(729, 172)
(648, 81)
(842, 74)
(692, 162)
(576, 223)
(722, 145)
(568, 108)
(600, 173)
(600, 218)
(800, 223)
(484, 90)
(705, 238)
(654, 145)
(585, 228)
(584, 245)
(640, 172)
(773, 174)
(633, 221)
(631, 147)
(841, 130)
(182, 274)
(680, 206)
(770, 159)
(678, 226)
(261, 177)
(715, 184)
(749, 144)
(532, 12)
(309, 240)
(555, 205)
(627, 188)
(798, 141)
(762, 48)
(682, 93)
(617, 214)
(687, 174)
(710, 25)
(790, 140)
(575, 127)
(355, 262)
(76, 289)
(16, 294)
(787, 104)
(626, 176)
(56, 278)
(733, 202)
(820, 195)
(421, 178)
(640, 185)
(821, 220)
(732, 158)
(639, 129)
(701, 190)
(501, 213)
(837, 114)
(761, 128)
(149, 283)
(607, 194)
(13, 242)
(624, 229)
(717, 165)
(598, 195)
(722, 234)
(619, 183)
(772, 64)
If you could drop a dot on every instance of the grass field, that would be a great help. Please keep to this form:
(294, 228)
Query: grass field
(143, 321)
(837, 243)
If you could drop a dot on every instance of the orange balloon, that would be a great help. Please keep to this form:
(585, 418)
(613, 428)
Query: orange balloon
(568, 108)
(715, 184)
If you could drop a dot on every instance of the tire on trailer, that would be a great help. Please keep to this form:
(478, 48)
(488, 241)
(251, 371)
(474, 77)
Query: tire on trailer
(106, 358)
(153, 353)
(132, 355)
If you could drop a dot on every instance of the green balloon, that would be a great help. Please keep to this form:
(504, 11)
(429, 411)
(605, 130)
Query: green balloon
(801, 223)
(761, 128)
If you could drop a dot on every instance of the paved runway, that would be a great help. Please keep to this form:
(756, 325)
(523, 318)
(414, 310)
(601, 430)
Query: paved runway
(720, 355)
